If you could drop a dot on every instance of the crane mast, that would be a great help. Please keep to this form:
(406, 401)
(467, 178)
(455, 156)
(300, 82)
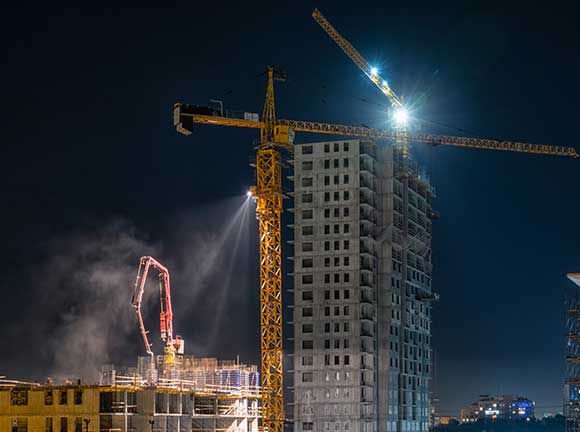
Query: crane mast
(172, 345)
(268, 194)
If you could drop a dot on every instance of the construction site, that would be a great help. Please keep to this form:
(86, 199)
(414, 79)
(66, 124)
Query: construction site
(363, 295)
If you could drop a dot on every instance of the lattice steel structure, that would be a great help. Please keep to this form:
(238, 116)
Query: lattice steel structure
(268, 193)
(572, 385)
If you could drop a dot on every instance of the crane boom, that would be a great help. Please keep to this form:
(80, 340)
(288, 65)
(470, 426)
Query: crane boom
(172, 344)
(358, 59)
(181, 117)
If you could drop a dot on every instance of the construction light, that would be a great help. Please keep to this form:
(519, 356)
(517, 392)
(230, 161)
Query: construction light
(374, 71)
(249, 194)
(401, 116)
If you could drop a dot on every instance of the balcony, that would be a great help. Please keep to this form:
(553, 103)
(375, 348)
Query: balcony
(367, 295)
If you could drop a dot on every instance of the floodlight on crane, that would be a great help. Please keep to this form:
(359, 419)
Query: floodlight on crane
(401, 116)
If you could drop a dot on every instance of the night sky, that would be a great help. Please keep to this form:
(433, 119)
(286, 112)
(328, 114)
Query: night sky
(94, 175)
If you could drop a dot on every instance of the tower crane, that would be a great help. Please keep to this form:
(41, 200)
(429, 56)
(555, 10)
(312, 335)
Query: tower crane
(172, 345)
(400, 126)
(277, 135)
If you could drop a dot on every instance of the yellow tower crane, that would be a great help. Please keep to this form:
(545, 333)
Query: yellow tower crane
(277, 134)
(400, 127)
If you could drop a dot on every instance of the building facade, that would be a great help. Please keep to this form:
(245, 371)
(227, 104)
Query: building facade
(123, 409)
(362, 289)
(188, 395)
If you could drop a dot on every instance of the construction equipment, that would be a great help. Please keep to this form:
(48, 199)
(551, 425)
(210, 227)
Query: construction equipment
(172, 345)
(277, 134)
(400, 114)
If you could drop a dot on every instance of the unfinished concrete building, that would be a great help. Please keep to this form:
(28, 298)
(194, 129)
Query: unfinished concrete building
(203, 395)
(572, 383)
(362, 289)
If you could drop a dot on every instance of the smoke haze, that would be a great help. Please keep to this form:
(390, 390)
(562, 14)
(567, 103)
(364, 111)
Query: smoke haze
(78, 316)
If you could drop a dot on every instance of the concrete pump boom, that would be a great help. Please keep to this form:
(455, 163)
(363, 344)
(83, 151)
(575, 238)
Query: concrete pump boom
(172, 345)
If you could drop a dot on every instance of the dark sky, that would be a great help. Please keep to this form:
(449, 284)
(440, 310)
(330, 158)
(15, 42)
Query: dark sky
(94, 175)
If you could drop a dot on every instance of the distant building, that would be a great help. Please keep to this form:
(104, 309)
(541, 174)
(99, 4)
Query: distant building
(209, 396)
(447, 420)
(505, 407)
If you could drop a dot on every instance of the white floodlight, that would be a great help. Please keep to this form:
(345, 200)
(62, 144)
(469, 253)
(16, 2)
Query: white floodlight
(374, 71)
(249, 194)
(401, 116)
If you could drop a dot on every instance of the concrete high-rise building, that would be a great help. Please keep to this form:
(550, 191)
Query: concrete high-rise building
(362, 289)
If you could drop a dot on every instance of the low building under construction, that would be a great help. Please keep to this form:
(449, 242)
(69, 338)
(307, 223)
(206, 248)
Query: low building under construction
(190, 395)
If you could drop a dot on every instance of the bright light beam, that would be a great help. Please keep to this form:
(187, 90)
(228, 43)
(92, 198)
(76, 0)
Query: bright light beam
(401, 116)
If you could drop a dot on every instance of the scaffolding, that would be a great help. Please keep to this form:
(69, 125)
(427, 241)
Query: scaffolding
(189, 395)
(187, 373)
(572, 384)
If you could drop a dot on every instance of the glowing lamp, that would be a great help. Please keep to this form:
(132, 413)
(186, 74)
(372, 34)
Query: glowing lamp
(401, 116)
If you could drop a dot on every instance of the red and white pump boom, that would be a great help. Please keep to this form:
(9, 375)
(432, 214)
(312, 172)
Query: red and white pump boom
(172, 345)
